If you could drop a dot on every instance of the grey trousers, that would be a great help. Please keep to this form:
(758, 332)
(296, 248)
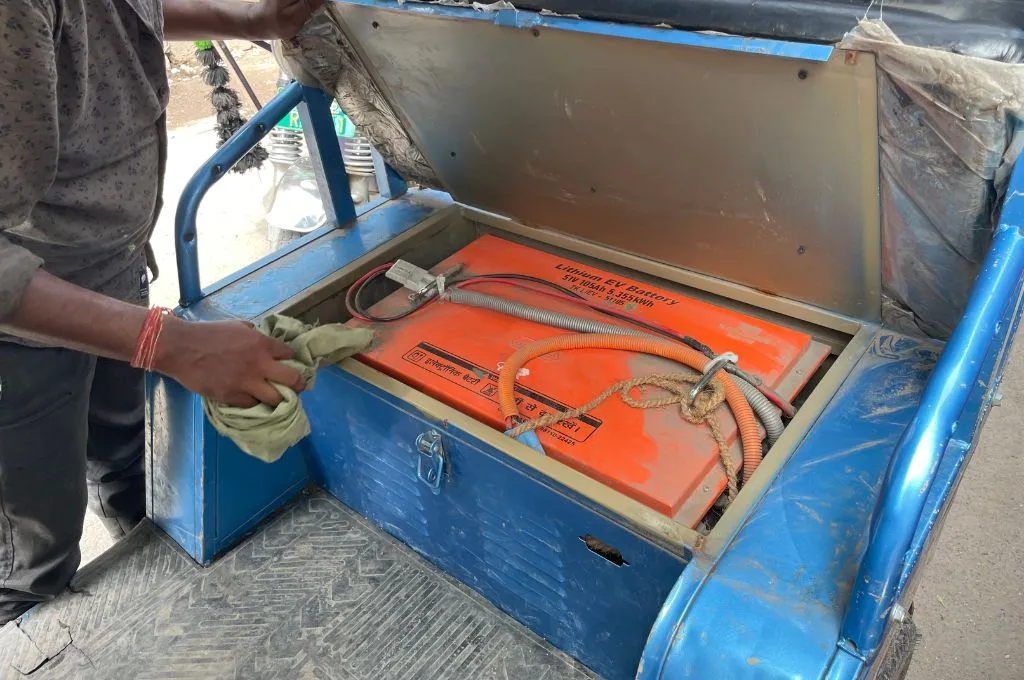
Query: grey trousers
(72, 427)
(72, 434)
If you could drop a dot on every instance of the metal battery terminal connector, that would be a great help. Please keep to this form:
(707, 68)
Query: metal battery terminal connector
(421, 282)
(410, 276)
(710, 369)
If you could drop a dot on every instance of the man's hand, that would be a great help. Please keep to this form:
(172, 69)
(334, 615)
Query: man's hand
(226, 361)
(282, 19)
(236, 19)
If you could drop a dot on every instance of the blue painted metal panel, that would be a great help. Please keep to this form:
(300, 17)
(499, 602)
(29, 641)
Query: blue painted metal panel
(287, 276)
(174, 475)
(920, 449)
(204, 492)
(671, 617)
(958, 453)
(514, 18)
(185, 239)
(247, 490)
(389, 183)
(496, 526)
(771, 605)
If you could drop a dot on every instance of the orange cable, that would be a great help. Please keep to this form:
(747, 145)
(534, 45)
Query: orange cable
(750, 435)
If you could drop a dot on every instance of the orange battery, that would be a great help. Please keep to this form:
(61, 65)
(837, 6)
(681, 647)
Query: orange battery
(454, 352)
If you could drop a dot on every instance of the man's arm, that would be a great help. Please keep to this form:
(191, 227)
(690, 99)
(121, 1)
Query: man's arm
(228, 361)
(235, 19)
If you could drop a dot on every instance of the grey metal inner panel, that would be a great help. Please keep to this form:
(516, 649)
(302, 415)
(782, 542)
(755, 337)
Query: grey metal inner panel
(755, 169)
(317, 594)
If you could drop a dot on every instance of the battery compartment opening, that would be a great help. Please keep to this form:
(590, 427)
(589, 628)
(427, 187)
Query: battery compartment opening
(454, 353)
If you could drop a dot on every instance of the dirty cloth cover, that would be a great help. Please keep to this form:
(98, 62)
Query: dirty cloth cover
(267, 432)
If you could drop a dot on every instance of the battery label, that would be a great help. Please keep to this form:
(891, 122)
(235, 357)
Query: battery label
(484, 382)
(596, 284)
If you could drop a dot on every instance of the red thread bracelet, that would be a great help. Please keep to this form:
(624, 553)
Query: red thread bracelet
(145, 346)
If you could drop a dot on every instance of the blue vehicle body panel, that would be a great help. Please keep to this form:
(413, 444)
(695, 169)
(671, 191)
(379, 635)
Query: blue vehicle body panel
(773, 602)
(804, 585)
(254, 296)
(203, 491)
(493, 524)
(958, 453)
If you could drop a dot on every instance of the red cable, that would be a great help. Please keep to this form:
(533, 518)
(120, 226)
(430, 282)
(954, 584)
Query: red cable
(771, 395)
(353, 290)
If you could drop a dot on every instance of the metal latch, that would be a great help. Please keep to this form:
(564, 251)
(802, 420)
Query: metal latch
(430, 469)
(710, 369)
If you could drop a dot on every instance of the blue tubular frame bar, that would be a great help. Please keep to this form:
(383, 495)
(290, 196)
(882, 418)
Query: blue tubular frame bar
(921, 447)
(325, 152)
(248, 136)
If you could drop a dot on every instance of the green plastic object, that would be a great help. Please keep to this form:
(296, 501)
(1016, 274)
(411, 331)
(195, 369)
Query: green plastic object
(343, 127)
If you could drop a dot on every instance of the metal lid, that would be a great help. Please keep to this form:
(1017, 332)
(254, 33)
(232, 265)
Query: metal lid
(749, 160)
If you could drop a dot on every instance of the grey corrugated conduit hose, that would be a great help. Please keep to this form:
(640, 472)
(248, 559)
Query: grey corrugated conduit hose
(769, 415)
(766, 412)
(544, 316)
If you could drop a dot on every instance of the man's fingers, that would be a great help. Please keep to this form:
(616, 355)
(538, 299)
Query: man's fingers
(279, 350)
(284, 375)
(266, 393)
(241, 400)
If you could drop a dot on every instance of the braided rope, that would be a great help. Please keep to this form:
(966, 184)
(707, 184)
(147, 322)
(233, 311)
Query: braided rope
(678, 385)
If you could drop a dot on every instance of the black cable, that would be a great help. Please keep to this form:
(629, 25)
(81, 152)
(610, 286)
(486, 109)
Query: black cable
(357, 305)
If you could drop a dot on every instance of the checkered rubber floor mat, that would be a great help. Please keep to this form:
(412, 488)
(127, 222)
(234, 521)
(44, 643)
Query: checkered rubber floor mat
(319, 593)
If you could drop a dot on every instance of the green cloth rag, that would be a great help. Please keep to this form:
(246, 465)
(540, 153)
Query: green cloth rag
(265, 432)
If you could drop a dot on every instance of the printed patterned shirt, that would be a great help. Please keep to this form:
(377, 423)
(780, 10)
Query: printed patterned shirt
(82, 140)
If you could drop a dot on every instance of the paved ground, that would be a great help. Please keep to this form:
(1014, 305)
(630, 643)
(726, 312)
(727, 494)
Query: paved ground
(970, 608)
